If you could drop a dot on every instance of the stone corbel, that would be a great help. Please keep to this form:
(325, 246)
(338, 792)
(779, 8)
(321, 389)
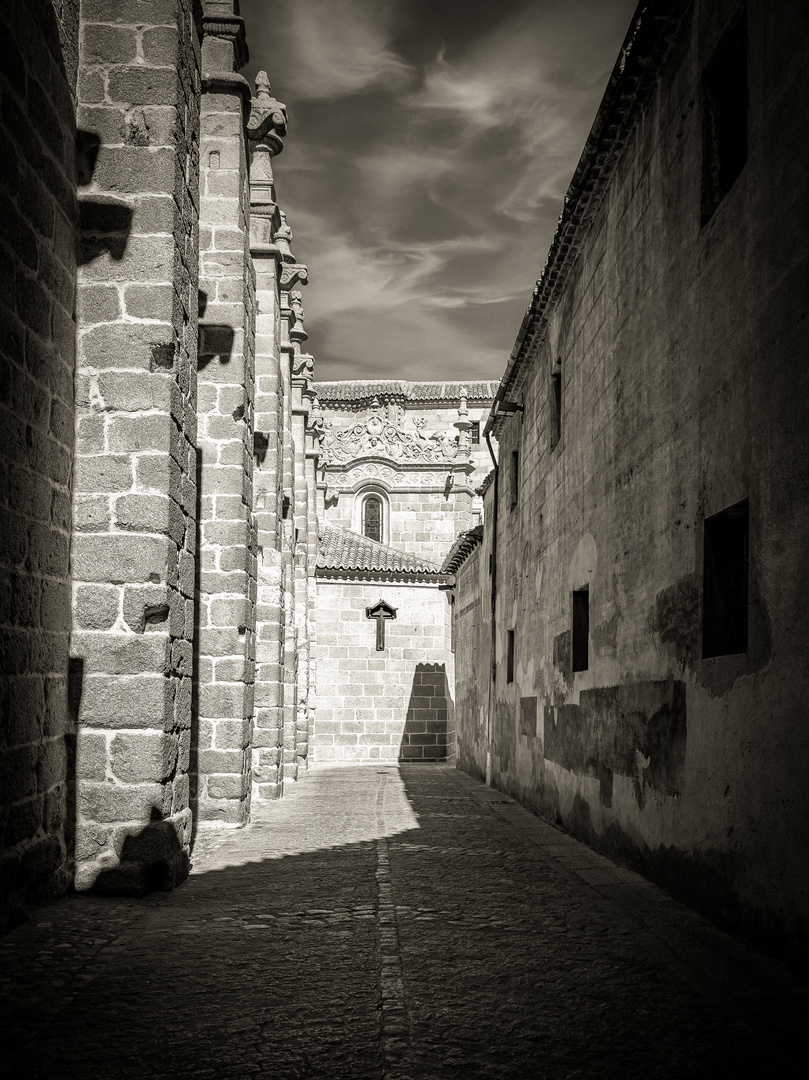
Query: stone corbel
(293, 274)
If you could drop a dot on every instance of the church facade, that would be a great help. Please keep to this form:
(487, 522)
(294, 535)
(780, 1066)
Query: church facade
(583, 583)
(400, 464)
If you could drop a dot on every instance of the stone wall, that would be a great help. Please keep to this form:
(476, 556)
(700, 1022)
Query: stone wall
(391, 705)
(37, 351)
(677, 342)
(135, 491)
(225, 381)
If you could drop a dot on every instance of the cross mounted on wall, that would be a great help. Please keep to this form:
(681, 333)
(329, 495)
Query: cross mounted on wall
(380, 611)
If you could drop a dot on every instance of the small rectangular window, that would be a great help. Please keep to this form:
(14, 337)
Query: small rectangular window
(580, 645)
(474, 432)
(515, 478)
(725, 581)
(556, 405)
(725, 101)
(510, 657)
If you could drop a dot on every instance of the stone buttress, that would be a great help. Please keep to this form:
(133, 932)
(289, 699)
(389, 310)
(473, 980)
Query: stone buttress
(134, 506)
(227, 555)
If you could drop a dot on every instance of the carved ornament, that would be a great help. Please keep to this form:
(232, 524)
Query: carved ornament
(377, 436)
(268, 117)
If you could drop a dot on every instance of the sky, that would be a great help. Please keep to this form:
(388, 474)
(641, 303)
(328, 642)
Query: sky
(430, 146)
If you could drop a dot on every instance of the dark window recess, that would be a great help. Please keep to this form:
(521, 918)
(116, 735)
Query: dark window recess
(510, 657)
(724, 116)
(372, 518)
(556, 404)
(725, 581)
(580, 647)
(474, 432)
(515, 478)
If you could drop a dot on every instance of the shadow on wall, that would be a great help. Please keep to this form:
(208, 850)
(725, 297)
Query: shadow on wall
(150, 859)
(429, 731)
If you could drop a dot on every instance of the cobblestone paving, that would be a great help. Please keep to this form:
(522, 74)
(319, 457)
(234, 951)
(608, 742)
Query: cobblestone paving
(393, 923)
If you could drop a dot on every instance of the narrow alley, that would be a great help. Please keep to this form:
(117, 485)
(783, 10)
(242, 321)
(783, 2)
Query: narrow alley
(388, 921)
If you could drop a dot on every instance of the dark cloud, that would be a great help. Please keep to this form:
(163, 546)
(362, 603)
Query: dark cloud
(430, 145)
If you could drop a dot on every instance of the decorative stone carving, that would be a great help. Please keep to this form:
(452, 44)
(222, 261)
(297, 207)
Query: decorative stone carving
(268, 117)
(379, 437)
(292, 273)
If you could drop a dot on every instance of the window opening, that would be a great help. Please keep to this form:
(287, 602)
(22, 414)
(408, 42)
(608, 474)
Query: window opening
(556, 403)
(581, 629)
(515, 477)
(474, 432)
(725, 100)
(510, 657)
(372, 518)
(725, 576)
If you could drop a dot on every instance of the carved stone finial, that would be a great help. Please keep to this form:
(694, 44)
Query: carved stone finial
(283, 238)
(296, 331)
(268, 117)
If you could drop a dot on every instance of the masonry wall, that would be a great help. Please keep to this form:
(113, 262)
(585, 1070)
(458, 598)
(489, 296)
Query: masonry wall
(391, 705)
(134, 508)
(684, 392)
(226, 394)
(37, 351)
(471, 618)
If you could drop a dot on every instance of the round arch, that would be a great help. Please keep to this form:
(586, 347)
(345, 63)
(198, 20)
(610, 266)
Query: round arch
(371, 513)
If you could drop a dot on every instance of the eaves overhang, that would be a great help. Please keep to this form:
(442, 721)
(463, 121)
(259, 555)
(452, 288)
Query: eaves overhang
(652, 33)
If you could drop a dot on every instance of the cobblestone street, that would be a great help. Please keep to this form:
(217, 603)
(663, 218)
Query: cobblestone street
(389, 921)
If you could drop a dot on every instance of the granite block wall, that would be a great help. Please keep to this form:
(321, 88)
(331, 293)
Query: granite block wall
(226, 376)
(37, 351)
(133, 546)
(393, 705)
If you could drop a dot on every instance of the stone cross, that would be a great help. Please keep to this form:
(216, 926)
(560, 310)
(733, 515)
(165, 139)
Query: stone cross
(380, 611)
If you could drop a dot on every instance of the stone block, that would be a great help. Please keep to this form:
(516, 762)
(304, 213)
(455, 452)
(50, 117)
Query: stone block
(221, 761)
(98, 474)
(143, 701)
(103, 44)
(230, 787)
(144, 756)
(120, 559)
(109, 802)
(144, 86)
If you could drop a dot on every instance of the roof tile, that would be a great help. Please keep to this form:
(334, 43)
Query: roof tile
(341, 549)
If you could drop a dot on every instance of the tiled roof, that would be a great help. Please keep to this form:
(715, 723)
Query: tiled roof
(343, 550)
(355, 390)
(462, 548)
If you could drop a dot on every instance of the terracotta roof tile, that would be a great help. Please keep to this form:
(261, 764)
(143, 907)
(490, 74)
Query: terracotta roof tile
(355, 390)
(341, 549)
(462, 549)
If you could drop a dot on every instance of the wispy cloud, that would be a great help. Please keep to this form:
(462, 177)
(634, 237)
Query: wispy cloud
(424, 180)
(332, 48)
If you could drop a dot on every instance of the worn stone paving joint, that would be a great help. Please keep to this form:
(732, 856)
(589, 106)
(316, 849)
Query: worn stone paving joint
(396, 1032)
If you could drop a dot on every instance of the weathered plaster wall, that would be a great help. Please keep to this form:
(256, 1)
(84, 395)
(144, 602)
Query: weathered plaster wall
(37, 352)
(682, 354)
(391, 705)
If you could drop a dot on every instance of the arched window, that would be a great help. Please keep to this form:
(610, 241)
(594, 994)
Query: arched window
(372, 518)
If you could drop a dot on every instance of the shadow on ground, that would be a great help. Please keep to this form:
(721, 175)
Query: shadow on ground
(266, 962)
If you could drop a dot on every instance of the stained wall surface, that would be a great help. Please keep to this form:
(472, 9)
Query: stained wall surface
(37, 353)
(681, 344)
(395, 704)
